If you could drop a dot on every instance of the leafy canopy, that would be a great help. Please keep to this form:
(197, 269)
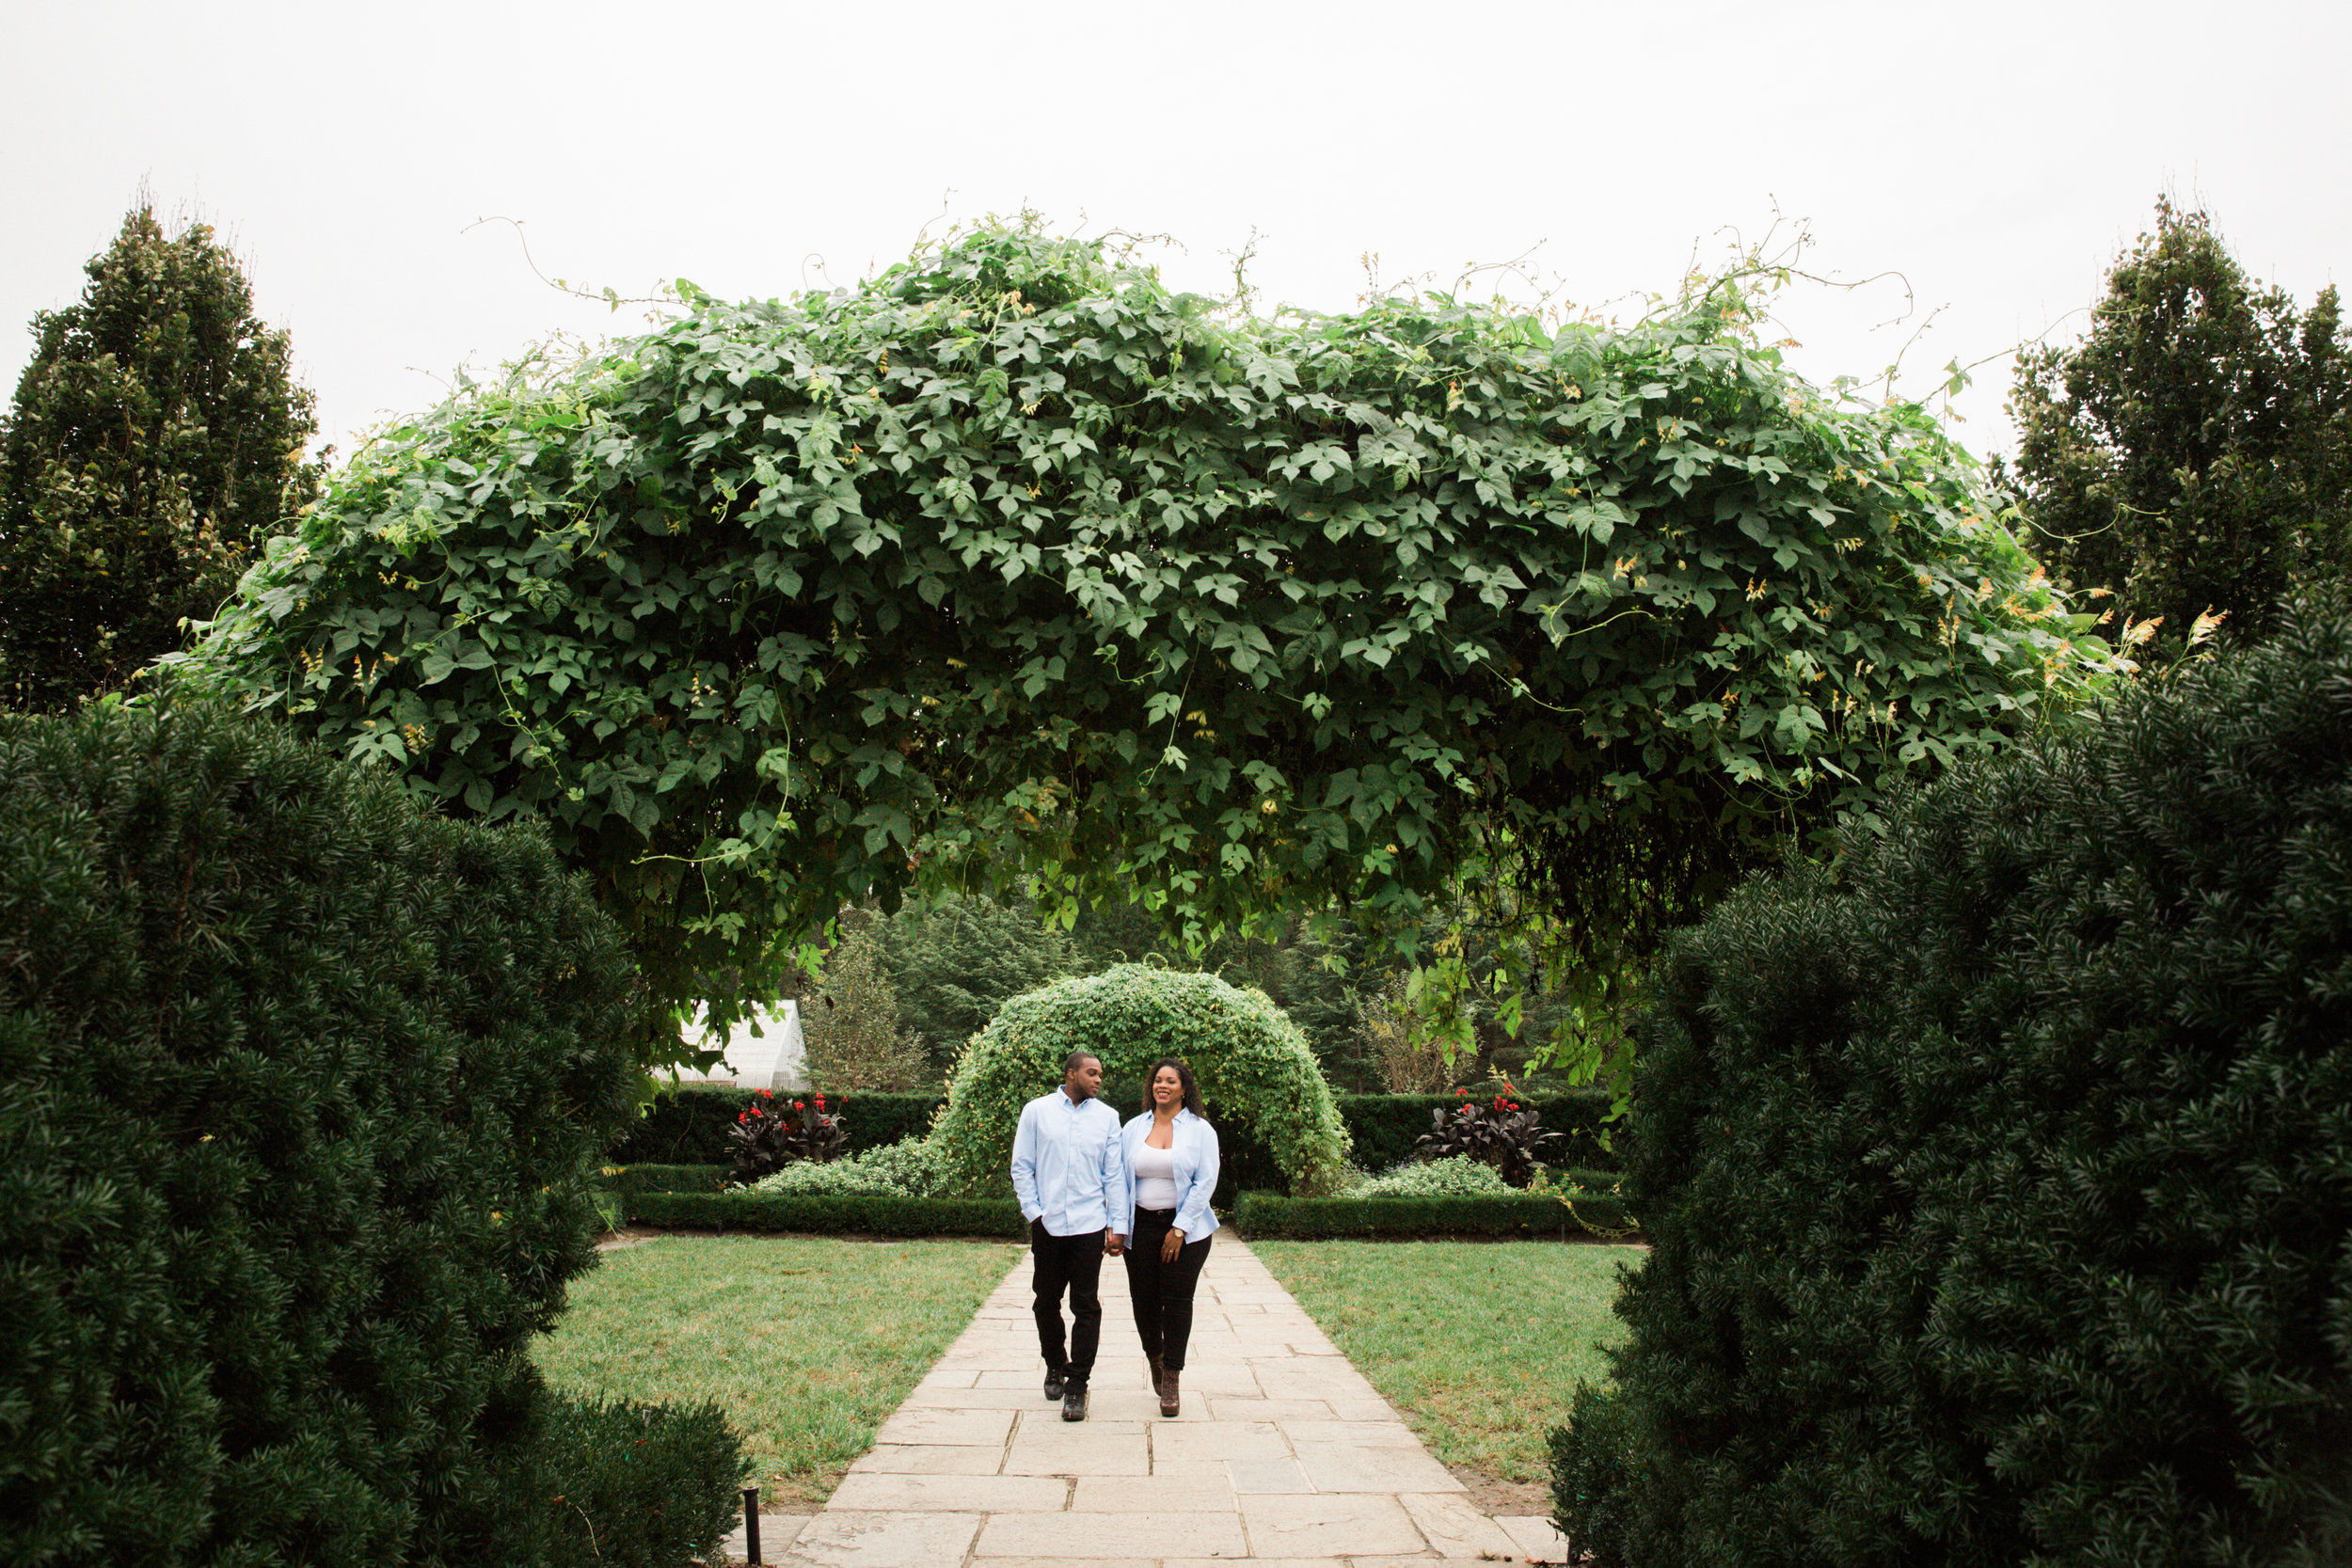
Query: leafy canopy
(1011, 562)
(156, 441)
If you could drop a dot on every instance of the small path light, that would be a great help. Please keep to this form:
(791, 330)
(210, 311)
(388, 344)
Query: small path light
(751, 1526)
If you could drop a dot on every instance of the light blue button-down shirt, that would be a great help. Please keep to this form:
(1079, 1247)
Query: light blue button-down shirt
(1069, 1165)
(1197, 1165)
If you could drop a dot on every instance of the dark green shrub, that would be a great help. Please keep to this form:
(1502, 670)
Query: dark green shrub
(298, 1088)
(690, 1125)
(861, 1216)
(1527, 1215)
(639, 1486)
(2001, 1196)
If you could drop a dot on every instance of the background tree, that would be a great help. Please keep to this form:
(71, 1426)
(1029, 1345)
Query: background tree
(157, 438)
(851, 1026)
(954, 962)
(1407, 1056)
(2192, 451)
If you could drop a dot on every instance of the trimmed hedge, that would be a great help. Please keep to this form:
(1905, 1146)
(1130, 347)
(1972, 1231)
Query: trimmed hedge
(689, 1125)
(1537, 1217)
(2001, 1191)
(299, 1086)
(871, 1217)
(664, 1178)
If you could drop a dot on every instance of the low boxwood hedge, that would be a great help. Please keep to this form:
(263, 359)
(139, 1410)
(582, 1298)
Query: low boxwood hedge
(1531, 1216)
(869, 1216)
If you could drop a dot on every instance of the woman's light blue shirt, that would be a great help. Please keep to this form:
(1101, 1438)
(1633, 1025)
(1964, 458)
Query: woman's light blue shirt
(1196, 1163)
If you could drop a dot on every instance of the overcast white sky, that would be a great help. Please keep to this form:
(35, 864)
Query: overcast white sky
(1997, 155)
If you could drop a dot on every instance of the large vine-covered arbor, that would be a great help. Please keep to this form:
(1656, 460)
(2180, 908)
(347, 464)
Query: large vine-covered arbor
(1011, 562)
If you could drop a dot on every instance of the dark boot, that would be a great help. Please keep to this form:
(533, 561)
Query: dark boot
(1158, 1371)
(1052, 1382)
(1170, 1404)
(1073, 1402)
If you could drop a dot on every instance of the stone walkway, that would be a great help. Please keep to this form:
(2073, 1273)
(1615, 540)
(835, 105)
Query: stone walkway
(1284, 1453)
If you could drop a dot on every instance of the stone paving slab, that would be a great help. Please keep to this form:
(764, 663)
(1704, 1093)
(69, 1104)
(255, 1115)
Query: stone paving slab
(1284, 1454)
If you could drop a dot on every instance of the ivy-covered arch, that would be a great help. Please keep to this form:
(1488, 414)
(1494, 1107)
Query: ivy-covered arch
(1251, 1062)
(1010, 561)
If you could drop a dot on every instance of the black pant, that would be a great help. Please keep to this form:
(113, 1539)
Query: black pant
(1075, 1263)
(1162, 1293)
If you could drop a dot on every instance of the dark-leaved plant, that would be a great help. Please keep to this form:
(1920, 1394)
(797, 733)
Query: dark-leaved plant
(1497, 1130)
(770, 1134)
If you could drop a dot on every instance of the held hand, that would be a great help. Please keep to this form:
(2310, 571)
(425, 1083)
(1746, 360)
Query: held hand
(1171, 1246)
(1114, 1243)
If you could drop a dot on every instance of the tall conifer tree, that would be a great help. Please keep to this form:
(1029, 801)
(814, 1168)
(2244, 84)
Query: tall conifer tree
(2192, 452)
(157, 439)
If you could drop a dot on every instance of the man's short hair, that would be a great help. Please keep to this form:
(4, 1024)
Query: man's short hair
(1070, 1063)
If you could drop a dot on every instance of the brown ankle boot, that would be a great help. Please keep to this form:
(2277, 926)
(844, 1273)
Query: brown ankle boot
(1169, 1404)
(1158, 1372)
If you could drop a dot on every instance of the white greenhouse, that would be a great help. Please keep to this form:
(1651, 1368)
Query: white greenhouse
(763, 1051)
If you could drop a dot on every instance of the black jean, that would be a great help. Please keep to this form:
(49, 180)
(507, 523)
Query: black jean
(1073, 1264)
(1162, 1293)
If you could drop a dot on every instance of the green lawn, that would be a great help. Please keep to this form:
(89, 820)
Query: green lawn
(1478, 1345)
(808, 1343)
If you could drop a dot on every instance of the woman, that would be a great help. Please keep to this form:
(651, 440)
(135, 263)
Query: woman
(1171, 1170)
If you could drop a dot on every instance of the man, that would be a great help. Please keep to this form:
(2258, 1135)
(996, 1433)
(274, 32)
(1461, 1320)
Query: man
(1069, 1168)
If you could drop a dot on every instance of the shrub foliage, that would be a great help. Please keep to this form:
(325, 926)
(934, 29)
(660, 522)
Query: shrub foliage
(2000, 1194)
(299, 1089)
(639, 1486)
(1012, 561)
(1251, 1062)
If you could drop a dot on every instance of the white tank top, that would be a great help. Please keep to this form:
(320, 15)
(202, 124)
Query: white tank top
(1155, 1178)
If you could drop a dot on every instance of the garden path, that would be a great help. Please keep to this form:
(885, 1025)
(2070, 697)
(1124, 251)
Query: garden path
(1284, 1453)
